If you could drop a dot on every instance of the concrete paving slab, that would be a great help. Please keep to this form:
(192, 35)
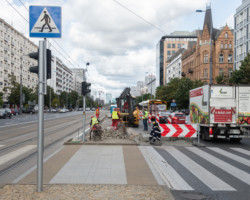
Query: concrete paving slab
(93, 165)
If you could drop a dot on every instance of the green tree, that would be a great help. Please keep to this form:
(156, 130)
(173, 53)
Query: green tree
(222, 79)
(182, 93)
(55, 102)
(1, 99)
(242, 76)
(63, 99)
(50, 91)
(73, 98)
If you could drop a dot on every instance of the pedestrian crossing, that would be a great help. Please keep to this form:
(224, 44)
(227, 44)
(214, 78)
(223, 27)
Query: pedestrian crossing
(192, 168)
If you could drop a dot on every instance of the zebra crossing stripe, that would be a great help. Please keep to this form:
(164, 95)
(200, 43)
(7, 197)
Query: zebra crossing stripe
(234, 171)
(231, 156)
(16, 153)
(246, 152)
(172, 179)
(209, 179)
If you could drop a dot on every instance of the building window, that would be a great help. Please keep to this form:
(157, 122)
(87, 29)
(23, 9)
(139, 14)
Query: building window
(230, 46)
(179, 45)
(230, 71)
(221, 72)
(205, 58)
(221, 58)
(225, 46)
(226, 35)
(169, 45)
(205, 74)
(169, 52)
(221, 45)
(173, 52)
(173, 45)
(230, 58)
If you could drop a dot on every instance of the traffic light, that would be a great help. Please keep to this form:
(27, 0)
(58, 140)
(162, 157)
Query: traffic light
(34, 55)
(35, 69)
(85, 88)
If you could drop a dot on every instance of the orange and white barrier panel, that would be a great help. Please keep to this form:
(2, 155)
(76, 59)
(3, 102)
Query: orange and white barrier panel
(178, 130)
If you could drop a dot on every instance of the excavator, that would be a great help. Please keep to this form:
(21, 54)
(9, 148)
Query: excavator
(127, 106)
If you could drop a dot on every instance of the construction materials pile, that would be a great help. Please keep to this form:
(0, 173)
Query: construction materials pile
(109, 135)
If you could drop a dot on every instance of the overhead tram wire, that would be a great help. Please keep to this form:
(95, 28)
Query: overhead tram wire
(159, 29)
(52, 39)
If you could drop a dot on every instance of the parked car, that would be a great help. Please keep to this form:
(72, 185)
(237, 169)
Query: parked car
(63, 110)
(93, 109)
(163, 117)
(29, 110)
(177, 118)
(5, 113)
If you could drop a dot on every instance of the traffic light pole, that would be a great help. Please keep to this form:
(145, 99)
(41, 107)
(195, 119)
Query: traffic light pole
(83, 118)
(40, 144)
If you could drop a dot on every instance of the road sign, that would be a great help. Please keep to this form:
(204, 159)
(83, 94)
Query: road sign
(173, 104)
(45, 21)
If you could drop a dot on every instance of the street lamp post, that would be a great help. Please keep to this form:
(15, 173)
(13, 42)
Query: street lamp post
(211, 58)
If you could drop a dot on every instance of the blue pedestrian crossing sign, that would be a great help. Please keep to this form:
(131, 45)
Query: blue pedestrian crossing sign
(45, 21)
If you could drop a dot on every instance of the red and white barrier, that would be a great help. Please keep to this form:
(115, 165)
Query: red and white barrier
(158, 118)
(140, 114)
(149, 118)
(178, 130)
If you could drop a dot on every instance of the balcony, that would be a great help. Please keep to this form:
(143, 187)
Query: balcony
(190, 71)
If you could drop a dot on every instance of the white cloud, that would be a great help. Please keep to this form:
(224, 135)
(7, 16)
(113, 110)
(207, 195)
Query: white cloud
(118, 44)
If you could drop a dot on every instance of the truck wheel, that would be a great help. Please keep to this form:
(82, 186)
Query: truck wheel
(235, 140)
(204, 134)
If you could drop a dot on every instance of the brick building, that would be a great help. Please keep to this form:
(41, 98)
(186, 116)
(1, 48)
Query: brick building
(196, 60)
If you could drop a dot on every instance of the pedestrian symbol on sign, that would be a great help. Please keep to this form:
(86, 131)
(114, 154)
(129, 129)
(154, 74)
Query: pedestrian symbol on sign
(45, 23)
(46, 18)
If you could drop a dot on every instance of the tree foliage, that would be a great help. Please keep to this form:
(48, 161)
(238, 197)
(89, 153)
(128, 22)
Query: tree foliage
(178, 90)
(242, 76)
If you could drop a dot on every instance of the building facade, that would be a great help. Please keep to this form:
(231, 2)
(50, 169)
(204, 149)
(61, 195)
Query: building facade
(196, 60)
(14, 61)
(241, 33)
(167, 47)
(174, 67)
(78, 75)
(150, 82)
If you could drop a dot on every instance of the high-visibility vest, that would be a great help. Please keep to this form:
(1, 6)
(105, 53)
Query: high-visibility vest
(94, 121)
(145, 116)
(115, 115)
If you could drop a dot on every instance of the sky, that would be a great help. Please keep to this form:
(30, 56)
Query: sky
(117, 38)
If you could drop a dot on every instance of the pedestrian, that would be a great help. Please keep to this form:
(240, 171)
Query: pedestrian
(145, 119)
(115, 119)
(155, 134)
(97, 112)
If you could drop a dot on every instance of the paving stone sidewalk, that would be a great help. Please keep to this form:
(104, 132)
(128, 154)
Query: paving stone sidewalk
(86, 192)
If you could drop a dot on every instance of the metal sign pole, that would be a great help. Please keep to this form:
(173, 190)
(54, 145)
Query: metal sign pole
(83, 119)
(40, 119)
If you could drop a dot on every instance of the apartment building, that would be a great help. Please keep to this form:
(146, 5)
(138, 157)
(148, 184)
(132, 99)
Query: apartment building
(241, 33)
(14, 47)
(78, 74)
(166, 48)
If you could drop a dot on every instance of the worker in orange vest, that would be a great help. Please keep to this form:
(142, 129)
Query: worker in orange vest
(97, 112)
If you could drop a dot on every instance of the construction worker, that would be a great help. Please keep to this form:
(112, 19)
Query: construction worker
(93, 121)
(155, 134)
(115, 119)
(145, 119)
(97, 112)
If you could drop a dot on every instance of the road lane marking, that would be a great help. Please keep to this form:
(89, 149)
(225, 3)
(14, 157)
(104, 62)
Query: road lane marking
(246, 152)
(16, 153)
(171, 178)
(233, 171)
(1, 146)
(232, 156)
(205, 176)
